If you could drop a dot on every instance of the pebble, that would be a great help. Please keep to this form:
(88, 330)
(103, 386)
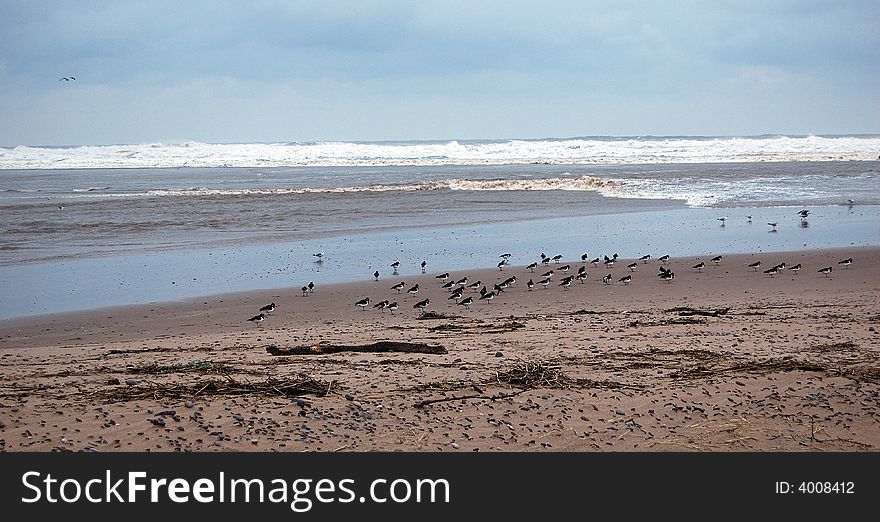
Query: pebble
(130, 382)
(238, 417)
(189, 404)
(455, 445)
(349, 397)
(499, 354)
(158, 422)
(2, 424)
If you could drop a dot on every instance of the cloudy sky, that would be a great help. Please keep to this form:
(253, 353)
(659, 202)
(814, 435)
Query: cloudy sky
(230, 71)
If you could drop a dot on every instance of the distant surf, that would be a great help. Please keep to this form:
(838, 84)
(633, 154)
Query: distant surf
(576, 151)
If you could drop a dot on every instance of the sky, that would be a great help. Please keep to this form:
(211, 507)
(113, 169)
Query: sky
(278, 71)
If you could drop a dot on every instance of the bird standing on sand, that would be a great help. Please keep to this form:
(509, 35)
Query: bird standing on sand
(557, 258)
(531, 267)
(846, 262)
(544, 282)
(466, 302)
(716, 260)
(772, 271)
(269, 308)
(488, 296)
(257, 319)
(632, 266)
(501, 264)
(664, 259)
(530, 284)
(363, 303)
(606, 279)
(645, 258)
(305, 291)
(414, 290)
(381, 305)
(756, 265)
(458, 292)
(443, 277)
(395, 265)
(566, 282)
(700, 266)
(796, 268)
(421, 305)
(625, 279)
(399, 286)
(311, 286)
(827, 270)
(667, 275)
(392, 307)
(376, 275)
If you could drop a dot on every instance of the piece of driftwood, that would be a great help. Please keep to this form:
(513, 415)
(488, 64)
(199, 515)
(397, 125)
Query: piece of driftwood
(687, 311)
(379, 347)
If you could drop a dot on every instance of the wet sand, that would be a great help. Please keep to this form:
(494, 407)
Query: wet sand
(723, 359)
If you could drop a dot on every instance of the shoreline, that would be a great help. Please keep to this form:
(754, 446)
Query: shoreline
(621, 368)
(95, 283)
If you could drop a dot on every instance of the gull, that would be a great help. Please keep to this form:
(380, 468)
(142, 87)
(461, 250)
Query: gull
(773, 225)
(722, 220)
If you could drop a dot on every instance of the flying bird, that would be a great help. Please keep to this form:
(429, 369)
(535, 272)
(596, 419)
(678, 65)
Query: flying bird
(67, 78)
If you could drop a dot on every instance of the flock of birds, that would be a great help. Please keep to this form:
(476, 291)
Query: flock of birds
(457, 288)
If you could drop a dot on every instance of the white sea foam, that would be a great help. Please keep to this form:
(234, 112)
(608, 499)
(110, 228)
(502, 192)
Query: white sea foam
(599, 151)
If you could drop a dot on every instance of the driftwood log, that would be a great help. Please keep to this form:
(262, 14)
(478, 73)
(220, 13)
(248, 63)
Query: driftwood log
(379, 347)
(687, 311)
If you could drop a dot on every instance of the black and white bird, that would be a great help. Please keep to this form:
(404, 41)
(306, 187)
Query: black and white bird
(499, 289)
(545, 259)
(645, 258)
(257, 319)
(827, 270)
(557, 258)
(414, 289)
(421, 305)
(699, 266)
(625, 279)
(319, 256)
(510, 281)
(392, 307)
(399, 286)
(796, 268)
(449, 284)
(581, 276)
(395, 265)
(548, 274)
(488, 296)
(606, 279)
(475, 286)
(305, 291)
(443, 277)
(846, 262)
(364, 303)
(667, 275)
(722, 220)
(595, 262)
(530, 284)
(463, 281)
(664, 259)
(804, 213)
(716, 260)
(566, 282)
(458, 292)
(772, 271)
(773, 225)
(424, 266)
(564, 268)
(466, 302)
(506, 255)
(376, 275)
(311, 286)
(584, 257)
(501, 264)
(756, 265)
(544, 282)
(67, 78)
(268, 309)
(780, 267)
(532, 267)
(632, 266)
(381, 305)
(749, 218)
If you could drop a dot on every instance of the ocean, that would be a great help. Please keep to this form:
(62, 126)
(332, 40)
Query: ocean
(85, 227)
